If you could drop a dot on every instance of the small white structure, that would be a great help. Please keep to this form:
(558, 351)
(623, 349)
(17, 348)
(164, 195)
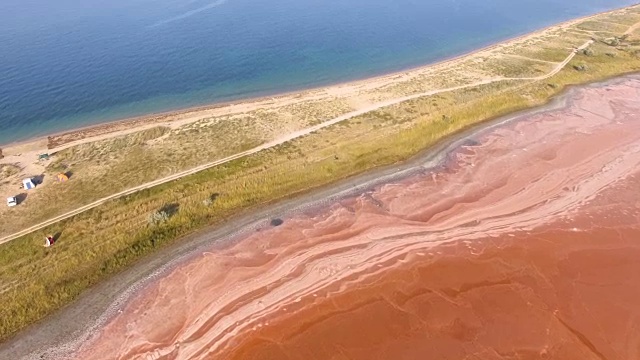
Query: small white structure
(28, 184)
(11, 201)
(49, 240)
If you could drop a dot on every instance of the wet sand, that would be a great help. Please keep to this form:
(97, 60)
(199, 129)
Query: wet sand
(523, 244)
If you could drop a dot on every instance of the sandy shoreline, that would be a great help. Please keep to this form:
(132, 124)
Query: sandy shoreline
(57, 141)
(92, 305)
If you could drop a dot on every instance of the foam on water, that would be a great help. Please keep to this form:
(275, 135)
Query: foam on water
(190, 13)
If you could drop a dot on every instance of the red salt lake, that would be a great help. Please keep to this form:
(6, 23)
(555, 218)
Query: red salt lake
(524, 245)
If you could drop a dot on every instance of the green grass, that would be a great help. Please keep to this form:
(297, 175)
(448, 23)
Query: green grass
(35, 281)
(108, 166)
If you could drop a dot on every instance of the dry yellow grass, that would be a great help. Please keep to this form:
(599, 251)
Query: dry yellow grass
(109, 166)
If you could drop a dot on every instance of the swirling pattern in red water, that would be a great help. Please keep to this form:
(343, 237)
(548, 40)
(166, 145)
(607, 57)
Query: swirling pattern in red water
(525, 247)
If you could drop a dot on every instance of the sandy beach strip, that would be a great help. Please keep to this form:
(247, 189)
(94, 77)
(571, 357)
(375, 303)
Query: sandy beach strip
(58, 141)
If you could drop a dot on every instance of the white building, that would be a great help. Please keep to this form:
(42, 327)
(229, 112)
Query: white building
(28, 184)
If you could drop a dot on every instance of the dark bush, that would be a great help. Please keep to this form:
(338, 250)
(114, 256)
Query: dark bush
(581, 67)
(163, 214)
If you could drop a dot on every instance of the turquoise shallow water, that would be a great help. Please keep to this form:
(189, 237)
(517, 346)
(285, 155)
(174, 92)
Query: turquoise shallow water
(71, 63)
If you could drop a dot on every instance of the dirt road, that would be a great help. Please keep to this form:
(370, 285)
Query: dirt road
(285, 139)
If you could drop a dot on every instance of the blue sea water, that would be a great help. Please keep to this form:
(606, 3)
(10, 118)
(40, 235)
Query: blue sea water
(70, 63)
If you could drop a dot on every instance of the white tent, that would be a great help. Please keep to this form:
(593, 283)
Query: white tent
(28, 184)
